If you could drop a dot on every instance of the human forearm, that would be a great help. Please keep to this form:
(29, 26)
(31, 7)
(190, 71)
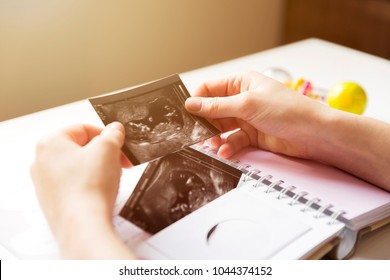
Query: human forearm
(90, 236)
(356, 144)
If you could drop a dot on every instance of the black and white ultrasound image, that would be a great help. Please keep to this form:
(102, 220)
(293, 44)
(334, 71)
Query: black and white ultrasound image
(155, 119)
(176, 185)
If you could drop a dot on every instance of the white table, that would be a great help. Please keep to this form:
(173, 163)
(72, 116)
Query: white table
(321, 62)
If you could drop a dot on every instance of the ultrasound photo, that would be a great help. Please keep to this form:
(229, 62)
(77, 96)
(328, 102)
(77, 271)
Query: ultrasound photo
(176, 185)
(155, 119)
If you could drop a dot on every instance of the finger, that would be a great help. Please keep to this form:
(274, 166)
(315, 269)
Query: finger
(107, 146)
(110, 133)
(112, 136)
(222, 87)
(232, 85)
(234, 143)
(213, 88)
(226, 124)
(126, 163)
(214, 141)
(67, 138)
(82, 134)
(217, 107)
(79, 134)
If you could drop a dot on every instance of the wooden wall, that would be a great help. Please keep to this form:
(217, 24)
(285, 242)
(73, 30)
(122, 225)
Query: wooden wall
(360, 24)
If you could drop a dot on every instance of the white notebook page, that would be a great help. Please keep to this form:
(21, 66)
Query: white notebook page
(244, 228)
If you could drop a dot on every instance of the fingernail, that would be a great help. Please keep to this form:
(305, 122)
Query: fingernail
(194, 104)
(115, 125)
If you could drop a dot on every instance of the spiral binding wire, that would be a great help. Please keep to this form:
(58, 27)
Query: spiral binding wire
(335, 216)
(320, 211)
(273, 184)
(309, 203)
(296, 197)
(248, 176)
(284, 192)
(261, 180)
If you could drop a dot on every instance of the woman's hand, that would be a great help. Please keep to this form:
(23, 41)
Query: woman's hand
(76, 173)
(267, 114)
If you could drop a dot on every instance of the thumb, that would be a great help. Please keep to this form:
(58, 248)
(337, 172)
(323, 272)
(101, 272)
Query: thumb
(110, 141)
(113, 135)
(215, 107)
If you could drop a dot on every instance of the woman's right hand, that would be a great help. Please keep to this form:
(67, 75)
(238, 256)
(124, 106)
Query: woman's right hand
(265, 114)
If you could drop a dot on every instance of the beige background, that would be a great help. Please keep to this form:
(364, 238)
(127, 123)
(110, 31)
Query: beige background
(54, 52)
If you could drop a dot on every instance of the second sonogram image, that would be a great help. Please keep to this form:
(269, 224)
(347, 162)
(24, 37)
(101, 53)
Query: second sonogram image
(176, 185)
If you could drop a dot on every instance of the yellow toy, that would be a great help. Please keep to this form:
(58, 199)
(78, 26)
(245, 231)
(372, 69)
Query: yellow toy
(347, 96)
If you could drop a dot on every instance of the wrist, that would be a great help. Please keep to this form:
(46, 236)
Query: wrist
(343, 141)
(320, 130)
(81, 226)
(313, 124)
(77, 228)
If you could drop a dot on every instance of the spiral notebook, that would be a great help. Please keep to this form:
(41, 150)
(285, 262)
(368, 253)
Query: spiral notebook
(282, 208)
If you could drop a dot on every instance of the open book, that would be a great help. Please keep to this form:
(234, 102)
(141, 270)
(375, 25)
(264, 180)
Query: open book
(282, 208)
(187, 203)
